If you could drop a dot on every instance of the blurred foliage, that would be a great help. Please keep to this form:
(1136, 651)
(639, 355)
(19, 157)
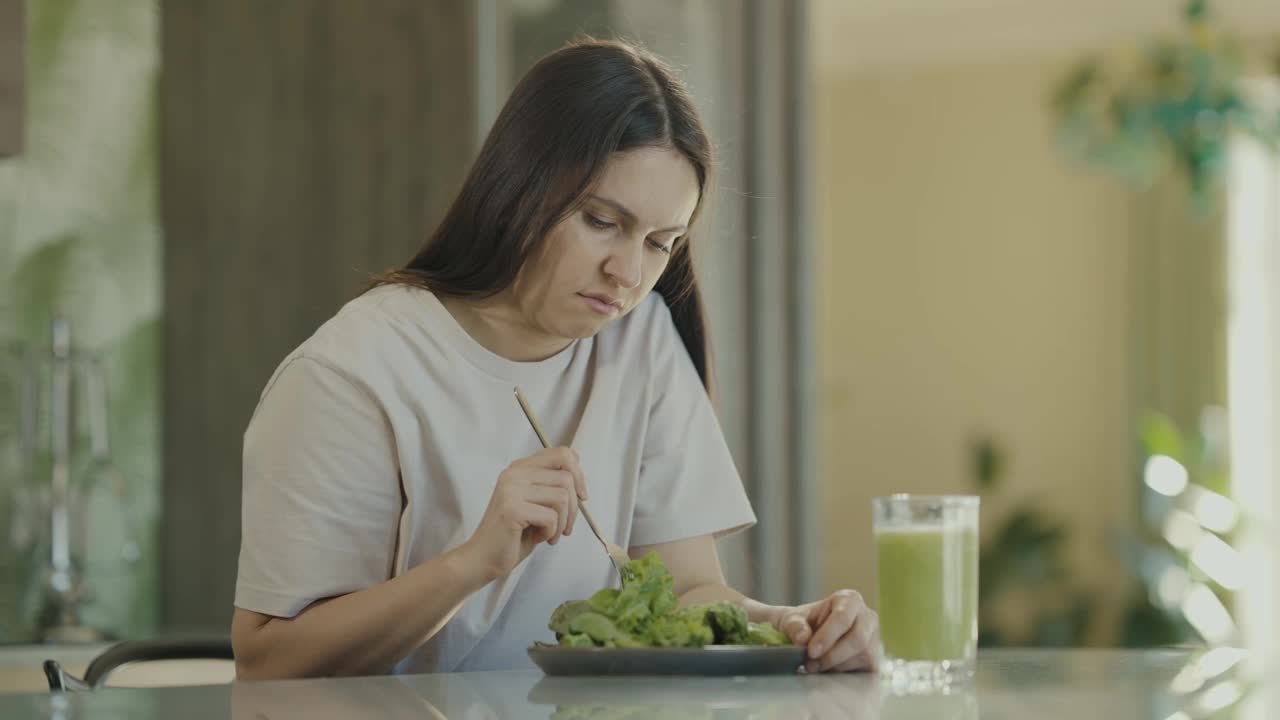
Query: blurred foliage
(79, 233)
(1166, 572)
(1024, 555)
(1173, 106)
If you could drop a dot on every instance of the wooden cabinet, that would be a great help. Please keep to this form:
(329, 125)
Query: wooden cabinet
(12, 69)
(304, 144)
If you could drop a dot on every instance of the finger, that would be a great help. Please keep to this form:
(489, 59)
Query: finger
(857, 649)
(562, 458)
(569, 484)
(552, 458)
(541, 518)
(845, 649)
(795, 626)
(862, 662)
(818, 613)
(554, 498)
(845, 607)
(875, 648)
(579, 477)
(563, 481)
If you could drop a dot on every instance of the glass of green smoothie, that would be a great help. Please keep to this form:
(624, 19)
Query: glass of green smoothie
(927, 562)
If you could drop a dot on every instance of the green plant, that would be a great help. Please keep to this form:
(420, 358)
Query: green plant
(1024, 556)
(1178, 103)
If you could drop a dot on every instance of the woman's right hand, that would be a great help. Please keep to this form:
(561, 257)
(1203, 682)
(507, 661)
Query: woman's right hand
(367, 631)
(534, 501)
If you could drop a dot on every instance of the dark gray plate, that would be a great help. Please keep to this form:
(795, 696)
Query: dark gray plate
(710, 660)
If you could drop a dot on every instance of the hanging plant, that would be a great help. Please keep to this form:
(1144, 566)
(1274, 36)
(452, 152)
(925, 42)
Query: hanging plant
(1172, 107)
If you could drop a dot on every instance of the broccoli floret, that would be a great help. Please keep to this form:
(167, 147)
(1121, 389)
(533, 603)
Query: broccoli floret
(565, 614)
(763, 634)
(680, 630)
(728, 623)
(644, 612)
(580, 641)
(594, 625)
(602, 601)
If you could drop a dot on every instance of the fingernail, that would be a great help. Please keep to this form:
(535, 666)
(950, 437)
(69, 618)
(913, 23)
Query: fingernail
(815, 650)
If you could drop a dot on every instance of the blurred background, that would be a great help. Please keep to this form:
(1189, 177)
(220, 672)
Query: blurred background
(1023, 248)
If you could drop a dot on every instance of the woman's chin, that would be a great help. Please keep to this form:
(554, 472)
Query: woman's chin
(581, 330)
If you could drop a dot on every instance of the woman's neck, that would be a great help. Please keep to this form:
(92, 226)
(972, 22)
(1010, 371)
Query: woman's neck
(500, 328)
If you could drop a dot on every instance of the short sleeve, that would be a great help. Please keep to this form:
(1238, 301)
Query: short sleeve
(689, 485)
(321, 492)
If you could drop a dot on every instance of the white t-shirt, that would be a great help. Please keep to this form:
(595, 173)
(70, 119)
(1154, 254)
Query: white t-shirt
(376, 444)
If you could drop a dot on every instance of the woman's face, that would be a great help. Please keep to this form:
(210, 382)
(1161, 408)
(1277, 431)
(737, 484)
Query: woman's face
(603, 259)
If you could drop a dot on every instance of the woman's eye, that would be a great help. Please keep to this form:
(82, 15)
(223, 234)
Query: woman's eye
(661, 246)
(598, 223)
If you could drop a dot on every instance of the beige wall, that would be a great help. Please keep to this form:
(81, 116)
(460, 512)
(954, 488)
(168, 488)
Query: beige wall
(971, 282)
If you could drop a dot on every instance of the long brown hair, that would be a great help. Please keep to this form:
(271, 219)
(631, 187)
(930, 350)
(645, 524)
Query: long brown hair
(547, 148)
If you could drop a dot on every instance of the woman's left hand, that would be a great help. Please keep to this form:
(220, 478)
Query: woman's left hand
(841, 633)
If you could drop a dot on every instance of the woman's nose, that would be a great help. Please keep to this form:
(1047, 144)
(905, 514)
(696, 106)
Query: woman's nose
(623, 264)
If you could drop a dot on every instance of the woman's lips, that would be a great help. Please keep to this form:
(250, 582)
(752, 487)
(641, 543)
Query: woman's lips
(602, 304)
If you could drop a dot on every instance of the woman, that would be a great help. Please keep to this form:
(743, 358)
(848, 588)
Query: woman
(399, 512)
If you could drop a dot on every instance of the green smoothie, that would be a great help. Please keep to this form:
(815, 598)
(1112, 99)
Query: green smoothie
(928, 592)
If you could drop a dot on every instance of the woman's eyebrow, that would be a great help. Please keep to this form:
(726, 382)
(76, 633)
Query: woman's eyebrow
(629, 216)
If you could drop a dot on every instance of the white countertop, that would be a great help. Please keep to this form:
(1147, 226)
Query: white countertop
(1009, 684)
